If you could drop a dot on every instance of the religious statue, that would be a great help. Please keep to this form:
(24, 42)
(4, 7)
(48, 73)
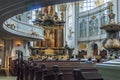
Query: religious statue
(47, 34)
(62, 16)
(48, 10)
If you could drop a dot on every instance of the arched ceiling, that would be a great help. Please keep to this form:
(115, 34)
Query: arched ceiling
(9, 8)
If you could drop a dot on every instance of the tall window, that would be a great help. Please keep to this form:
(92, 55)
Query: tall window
(86, 5)
(83, 25)
(90, 4)
(93, 26)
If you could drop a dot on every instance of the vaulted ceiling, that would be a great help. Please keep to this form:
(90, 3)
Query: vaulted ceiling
(9, 8)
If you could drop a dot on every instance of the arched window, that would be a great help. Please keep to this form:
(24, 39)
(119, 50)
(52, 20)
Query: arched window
(93, 26)
(96, 27)
(86, 5)
(90, 27)
(83, 30)
(90, 4)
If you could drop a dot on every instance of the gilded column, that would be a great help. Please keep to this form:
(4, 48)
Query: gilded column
(62, 41)
(63, 10)
(55, 39)
(58, 38)
(61, 38)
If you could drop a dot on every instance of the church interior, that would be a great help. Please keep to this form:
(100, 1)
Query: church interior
(59, 40)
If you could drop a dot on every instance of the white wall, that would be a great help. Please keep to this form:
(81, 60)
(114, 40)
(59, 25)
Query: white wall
(23, 47)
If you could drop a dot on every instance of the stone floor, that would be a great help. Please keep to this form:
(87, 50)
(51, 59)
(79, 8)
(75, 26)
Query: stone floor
(7, 78)
(5, 75)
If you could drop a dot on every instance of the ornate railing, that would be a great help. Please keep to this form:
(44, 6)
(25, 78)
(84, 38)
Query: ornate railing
(23, 29)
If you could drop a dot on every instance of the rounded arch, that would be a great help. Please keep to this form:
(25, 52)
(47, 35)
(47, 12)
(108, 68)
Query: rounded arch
(94, 48)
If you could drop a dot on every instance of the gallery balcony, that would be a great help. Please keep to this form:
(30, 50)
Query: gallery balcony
(23, 29)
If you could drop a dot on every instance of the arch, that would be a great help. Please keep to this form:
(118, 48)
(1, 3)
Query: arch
(95, 49)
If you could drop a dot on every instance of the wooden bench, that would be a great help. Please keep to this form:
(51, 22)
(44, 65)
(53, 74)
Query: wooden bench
(65, 68)
(92, 76)
(87, 74)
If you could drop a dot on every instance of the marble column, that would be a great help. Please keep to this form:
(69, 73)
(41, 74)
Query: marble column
(62, 41)
(76, 14)
(117, 4)
(60, 38)
(55, 39)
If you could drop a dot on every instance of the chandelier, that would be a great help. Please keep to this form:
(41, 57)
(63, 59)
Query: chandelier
(112, 42)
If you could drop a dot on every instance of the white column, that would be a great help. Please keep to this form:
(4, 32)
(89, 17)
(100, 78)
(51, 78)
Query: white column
(76, 14)
(117, 10)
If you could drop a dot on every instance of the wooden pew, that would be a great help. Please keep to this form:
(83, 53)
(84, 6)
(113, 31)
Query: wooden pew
(92, 76)
(40, 72)
(64, 64)
(57, 72)
(26, 71)
(87, 74)
(38, 75)
(66, 67)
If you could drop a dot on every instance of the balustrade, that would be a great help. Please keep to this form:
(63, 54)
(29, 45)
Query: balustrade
(23, 29)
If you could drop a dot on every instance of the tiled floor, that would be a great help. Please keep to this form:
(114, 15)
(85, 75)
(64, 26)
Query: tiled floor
(4, 74)
(7, 78)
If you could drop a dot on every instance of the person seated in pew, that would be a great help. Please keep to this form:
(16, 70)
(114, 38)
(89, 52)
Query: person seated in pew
(49, 57)
(111, 57)
(73, 59)
(89, 61)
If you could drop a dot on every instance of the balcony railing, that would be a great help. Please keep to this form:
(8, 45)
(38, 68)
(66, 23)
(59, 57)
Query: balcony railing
(23, 29)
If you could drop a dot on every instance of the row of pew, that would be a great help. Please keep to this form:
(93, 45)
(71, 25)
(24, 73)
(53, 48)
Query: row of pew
(33, 71)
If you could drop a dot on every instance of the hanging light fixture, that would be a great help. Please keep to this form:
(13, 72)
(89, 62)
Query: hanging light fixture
(112, 42)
